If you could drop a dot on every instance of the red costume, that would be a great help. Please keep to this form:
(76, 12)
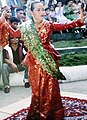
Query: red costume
(46, 101)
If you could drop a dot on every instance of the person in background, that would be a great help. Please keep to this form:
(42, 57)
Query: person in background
(14, 22)
(43, 62)
(47, 14)
(20, 14)
(44, 4)
(63, 1)
(5, 27)
(76, 7)
(3, 32)
(86, 5)
(69, 11)
(52, 13)
(13, 55)
(52, 2)
(14, 4)
(59, 13)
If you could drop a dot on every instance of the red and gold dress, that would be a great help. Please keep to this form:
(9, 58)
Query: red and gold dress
(46, 101)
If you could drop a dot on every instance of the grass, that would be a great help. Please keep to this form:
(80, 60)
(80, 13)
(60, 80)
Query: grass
(72, 43)
(72, 59)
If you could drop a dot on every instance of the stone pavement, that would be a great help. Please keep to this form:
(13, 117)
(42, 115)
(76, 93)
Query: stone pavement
(20, 97)
(75, 73)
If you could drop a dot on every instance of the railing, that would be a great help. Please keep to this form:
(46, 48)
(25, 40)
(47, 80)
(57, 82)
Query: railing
(71, 50)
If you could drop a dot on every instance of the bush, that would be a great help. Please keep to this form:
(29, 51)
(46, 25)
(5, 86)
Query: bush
(73, 59)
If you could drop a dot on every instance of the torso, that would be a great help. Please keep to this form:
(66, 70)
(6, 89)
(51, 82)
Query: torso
(44, 32)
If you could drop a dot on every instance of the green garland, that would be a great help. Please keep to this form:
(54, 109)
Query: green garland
(32, 42)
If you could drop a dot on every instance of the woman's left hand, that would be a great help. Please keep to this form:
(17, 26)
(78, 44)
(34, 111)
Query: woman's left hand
(83, 15)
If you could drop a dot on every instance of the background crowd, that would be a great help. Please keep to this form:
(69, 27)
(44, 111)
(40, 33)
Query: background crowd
(61, 11)
(56, 10)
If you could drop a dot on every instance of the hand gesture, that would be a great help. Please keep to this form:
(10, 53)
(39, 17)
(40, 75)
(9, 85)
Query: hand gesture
(3, 13)
(83, 14)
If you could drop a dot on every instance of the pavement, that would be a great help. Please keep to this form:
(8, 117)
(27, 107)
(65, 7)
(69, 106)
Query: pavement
(20, 97)
(75, 73)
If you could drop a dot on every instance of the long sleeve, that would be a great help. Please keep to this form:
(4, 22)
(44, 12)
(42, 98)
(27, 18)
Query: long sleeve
(60, 27)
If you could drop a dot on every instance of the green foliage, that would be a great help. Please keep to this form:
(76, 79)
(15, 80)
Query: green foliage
(73, 59)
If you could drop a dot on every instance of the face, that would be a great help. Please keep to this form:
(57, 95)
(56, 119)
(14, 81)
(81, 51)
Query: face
(14, 25)
(51, 8)
(70, 3)
(7, 12)
(14, 40)
(20, 14)
(59, 4)
(47, 12)
(38, 12)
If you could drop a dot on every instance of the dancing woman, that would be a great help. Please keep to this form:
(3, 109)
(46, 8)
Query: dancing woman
(42, 61)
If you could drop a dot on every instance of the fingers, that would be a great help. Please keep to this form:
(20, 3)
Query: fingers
(83, 13)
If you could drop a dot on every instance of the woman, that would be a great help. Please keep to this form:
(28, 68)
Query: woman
(42, 61)
(5, 28)
(59, 13)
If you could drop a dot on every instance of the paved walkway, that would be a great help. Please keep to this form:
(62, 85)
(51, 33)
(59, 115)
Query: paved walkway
(11, 108)
(20, 97)
(75, 73)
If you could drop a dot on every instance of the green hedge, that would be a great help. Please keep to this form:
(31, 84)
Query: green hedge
(73, 59)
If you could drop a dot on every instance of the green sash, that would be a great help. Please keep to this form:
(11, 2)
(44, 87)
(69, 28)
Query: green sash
(33, 44)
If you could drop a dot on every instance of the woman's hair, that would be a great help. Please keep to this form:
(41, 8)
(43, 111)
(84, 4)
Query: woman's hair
(32, 5)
